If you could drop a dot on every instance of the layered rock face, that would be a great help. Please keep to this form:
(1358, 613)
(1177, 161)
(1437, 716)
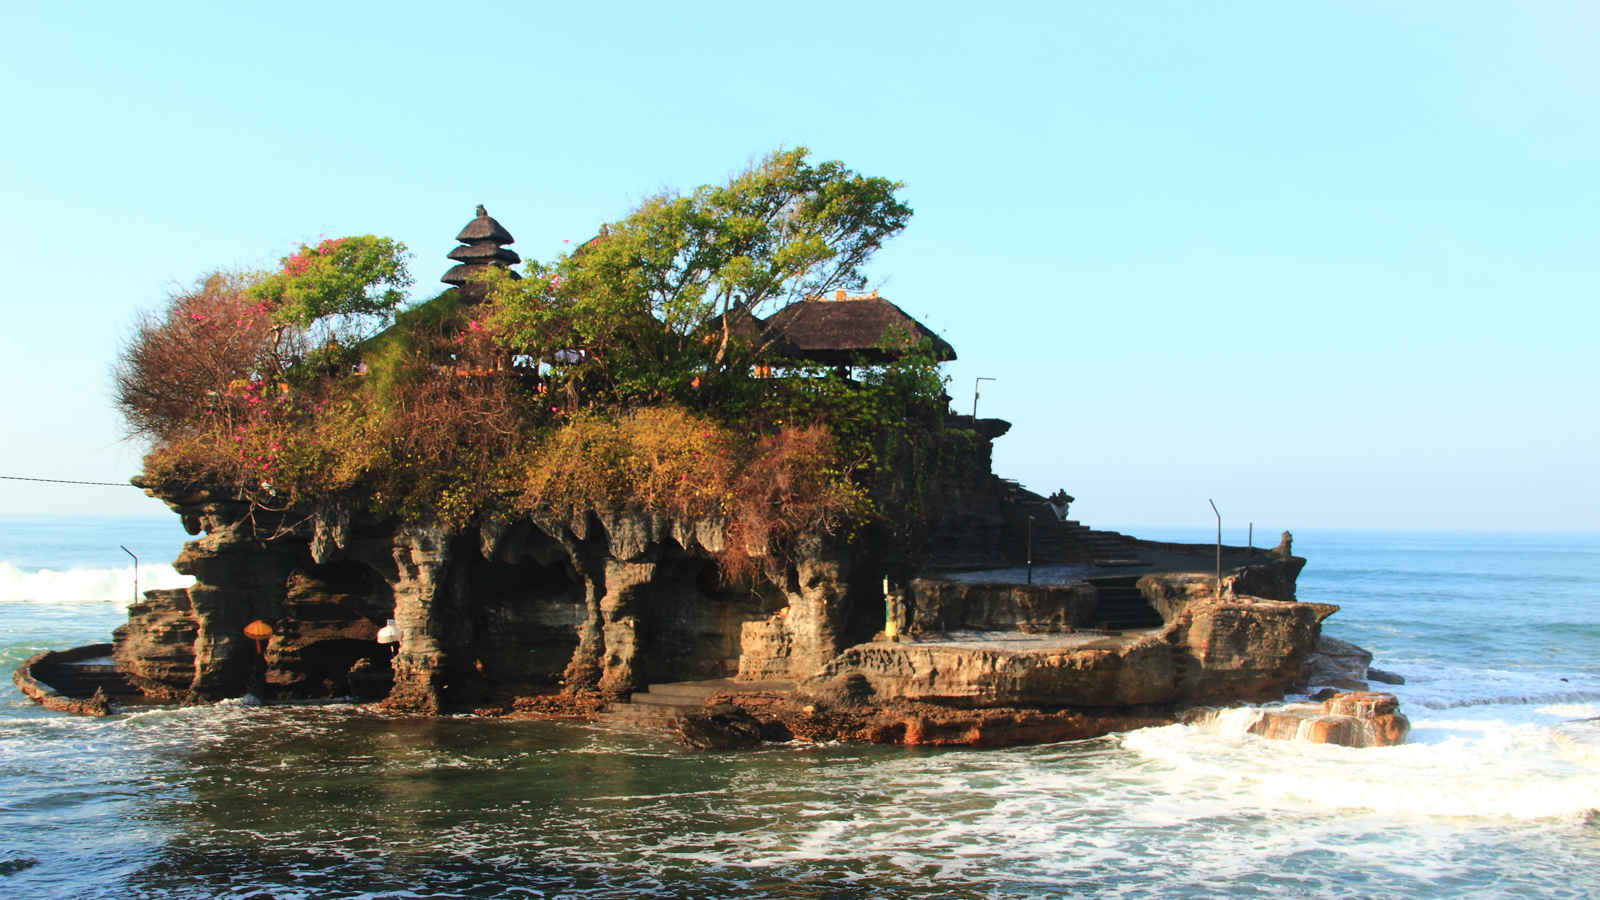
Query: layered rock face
(981, 644)
(1234, 648)
(514, 615)
(604, 603)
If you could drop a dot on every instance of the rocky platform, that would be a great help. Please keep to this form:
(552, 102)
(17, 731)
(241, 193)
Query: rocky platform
(82, 680)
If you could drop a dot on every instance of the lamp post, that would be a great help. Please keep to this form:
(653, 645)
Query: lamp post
(1029, 550)
(975, 394)
(135, 571)
(1219, 546)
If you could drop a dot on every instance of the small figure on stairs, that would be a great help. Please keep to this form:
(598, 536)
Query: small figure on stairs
(1059, 501)
(1285, 544)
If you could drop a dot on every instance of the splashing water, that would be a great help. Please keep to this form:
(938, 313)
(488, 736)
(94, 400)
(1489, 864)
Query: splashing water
(1494, 794)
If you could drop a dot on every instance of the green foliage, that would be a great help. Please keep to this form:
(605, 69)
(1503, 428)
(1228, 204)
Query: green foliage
(346, 287)
(892, 415)
(653, 300)
(410, 347)
(662, 459)
(643, 393)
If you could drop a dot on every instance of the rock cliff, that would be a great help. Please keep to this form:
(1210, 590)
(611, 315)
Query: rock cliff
(604, 603)
(536, 615)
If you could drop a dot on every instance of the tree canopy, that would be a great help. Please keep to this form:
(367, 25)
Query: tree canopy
(653, 303)
(306, 382)
(347, 288)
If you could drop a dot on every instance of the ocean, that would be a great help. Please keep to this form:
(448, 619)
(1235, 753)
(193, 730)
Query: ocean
(1494, 795)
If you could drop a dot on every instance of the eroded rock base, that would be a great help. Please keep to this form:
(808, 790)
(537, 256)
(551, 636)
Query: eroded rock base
(1352, 719)
(792, 716)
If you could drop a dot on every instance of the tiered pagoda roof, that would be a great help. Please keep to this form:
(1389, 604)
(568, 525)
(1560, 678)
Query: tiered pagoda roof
(483, 241)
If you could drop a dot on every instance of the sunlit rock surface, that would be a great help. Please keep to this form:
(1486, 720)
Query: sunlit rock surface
(1351, 719)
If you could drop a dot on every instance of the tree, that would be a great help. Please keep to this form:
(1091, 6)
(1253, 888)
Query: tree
(196, 364)
(179, 368)
(343, 289)
(656, 300)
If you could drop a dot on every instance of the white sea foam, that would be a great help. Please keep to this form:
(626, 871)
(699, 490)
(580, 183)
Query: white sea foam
(1471, 767)
(74, 586)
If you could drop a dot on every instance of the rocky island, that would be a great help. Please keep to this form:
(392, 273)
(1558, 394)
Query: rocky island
(608, 488)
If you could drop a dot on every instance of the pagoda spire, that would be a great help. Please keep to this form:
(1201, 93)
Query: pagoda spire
(482, 246)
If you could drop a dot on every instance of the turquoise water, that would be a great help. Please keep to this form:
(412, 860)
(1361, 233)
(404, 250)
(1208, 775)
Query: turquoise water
(1494, 796)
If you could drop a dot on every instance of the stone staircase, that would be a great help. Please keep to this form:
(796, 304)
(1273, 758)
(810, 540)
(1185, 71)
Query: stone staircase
(1105, 548)
(1056, 541)
(659, 705)
(1122, 607)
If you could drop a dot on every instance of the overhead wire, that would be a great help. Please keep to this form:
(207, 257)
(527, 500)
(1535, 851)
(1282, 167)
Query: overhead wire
(67, 481)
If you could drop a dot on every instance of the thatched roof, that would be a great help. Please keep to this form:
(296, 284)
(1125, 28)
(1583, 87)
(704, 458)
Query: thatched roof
(748, 328)
(460, 275)
(484, 228)
(842, 330)
(481, 241)
(484, 252)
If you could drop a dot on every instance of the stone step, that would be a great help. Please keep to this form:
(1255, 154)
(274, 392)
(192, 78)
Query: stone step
(628, 714)
(1103, 582)
(660, 704)
(696, 690)
(1122, 607)
(706, 687)
(673, 701)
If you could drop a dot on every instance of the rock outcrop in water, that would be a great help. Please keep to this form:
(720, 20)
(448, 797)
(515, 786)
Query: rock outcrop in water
(1237, 648)
(1352, 719)
(878, 639)
(807, 577)
(552, 616)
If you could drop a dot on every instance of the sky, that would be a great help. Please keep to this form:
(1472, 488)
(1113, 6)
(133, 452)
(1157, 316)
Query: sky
(1331, 265)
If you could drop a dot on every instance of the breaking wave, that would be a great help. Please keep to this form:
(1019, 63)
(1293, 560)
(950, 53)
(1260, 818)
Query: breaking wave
(84, 586)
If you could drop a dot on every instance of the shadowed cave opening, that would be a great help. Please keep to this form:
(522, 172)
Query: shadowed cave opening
(522, 610)
(689, 624)
(326, 644)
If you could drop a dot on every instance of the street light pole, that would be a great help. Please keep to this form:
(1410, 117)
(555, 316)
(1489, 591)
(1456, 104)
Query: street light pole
(135, 571)
(1219, 546)
(975, 394)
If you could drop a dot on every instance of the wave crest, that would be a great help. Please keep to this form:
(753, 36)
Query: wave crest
(84, 586)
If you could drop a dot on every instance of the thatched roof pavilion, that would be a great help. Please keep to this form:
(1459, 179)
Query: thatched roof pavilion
(482, 239)
(845, 330)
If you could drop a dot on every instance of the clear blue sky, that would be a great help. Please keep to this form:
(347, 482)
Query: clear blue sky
(1332, 264)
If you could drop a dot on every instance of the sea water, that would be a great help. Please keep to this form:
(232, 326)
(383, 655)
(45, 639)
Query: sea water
(1494, 795)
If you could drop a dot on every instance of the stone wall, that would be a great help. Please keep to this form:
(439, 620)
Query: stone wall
(931, 605)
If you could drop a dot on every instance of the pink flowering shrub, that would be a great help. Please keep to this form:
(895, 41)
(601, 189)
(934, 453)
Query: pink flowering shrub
(178, 371)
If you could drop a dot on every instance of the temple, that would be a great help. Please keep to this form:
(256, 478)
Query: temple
(984, 617)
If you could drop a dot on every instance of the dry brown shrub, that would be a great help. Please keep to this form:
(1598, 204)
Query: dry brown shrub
(660, 459)
(789, 485)
(176, 372)
(768, 491)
